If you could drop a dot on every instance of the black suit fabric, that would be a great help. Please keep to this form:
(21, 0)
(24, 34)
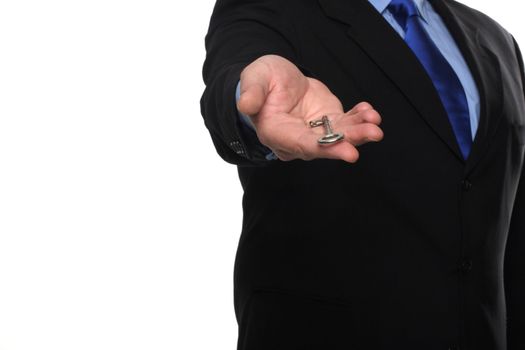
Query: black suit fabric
(411, 247)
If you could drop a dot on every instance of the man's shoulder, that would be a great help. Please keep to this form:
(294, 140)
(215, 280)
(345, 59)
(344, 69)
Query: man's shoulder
(475, 17)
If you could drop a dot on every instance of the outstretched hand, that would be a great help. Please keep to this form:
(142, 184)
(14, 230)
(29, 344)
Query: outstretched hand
(281, 102)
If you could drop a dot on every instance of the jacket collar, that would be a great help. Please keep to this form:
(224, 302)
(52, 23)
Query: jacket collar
(422, 7)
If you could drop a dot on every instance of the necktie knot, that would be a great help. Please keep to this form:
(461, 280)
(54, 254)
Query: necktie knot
(402, 10)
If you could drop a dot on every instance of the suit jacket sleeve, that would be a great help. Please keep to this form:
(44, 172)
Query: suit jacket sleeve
(240, 31)
(515, 261)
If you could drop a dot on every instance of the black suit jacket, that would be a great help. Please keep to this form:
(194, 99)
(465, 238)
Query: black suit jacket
(411, 247)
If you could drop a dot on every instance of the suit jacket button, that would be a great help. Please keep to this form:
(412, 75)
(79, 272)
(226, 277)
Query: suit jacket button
(465, 266)
(237, 147)
(466, 185)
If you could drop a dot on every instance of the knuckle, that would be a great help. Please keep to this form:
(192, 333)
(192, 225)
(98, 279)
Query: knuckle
(370, 131)
(374, 133)
(370, 115)
(362, 106)
(378, 117)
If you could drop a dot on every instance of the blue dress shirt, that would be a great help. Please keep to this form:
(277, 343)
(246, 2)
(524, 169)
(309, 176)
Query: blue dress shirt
(441, 36)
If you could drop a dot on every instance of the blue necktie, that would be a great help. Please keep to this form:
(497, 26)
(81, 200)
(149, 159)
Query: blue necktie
(443, 76)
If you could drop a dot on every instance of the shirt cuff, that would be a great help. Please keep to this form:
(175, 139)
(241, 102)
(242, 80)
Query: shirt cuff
(247, 122)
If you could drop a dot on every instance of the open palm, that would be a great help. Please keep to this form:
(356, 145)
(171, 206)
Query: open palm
(282, 101)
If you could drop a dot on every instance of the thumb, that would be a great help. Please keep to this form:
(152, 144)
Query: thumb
(254, 89)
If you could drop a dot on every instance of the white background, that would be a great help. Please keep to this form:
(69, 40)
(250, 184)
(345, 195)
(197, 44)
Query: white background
(118, 221)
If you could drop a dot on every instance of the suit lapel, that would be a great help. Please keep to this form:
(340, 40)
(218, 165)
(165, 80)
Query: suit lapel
(485, 69)
(389, 51)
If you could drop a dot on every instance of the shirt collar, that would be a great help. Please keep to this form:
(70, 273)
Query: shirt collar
(422, 7)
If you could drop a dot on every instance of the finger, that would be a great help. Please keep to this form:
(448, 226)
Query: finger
(361, 106)
(364, 116)
(362, 133)
(254, 89)
(341, 150)
(370, 116)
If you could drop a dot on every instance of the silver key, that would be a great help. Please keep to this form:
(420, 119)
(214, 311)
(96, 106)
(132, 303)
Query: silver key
(329, 137)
